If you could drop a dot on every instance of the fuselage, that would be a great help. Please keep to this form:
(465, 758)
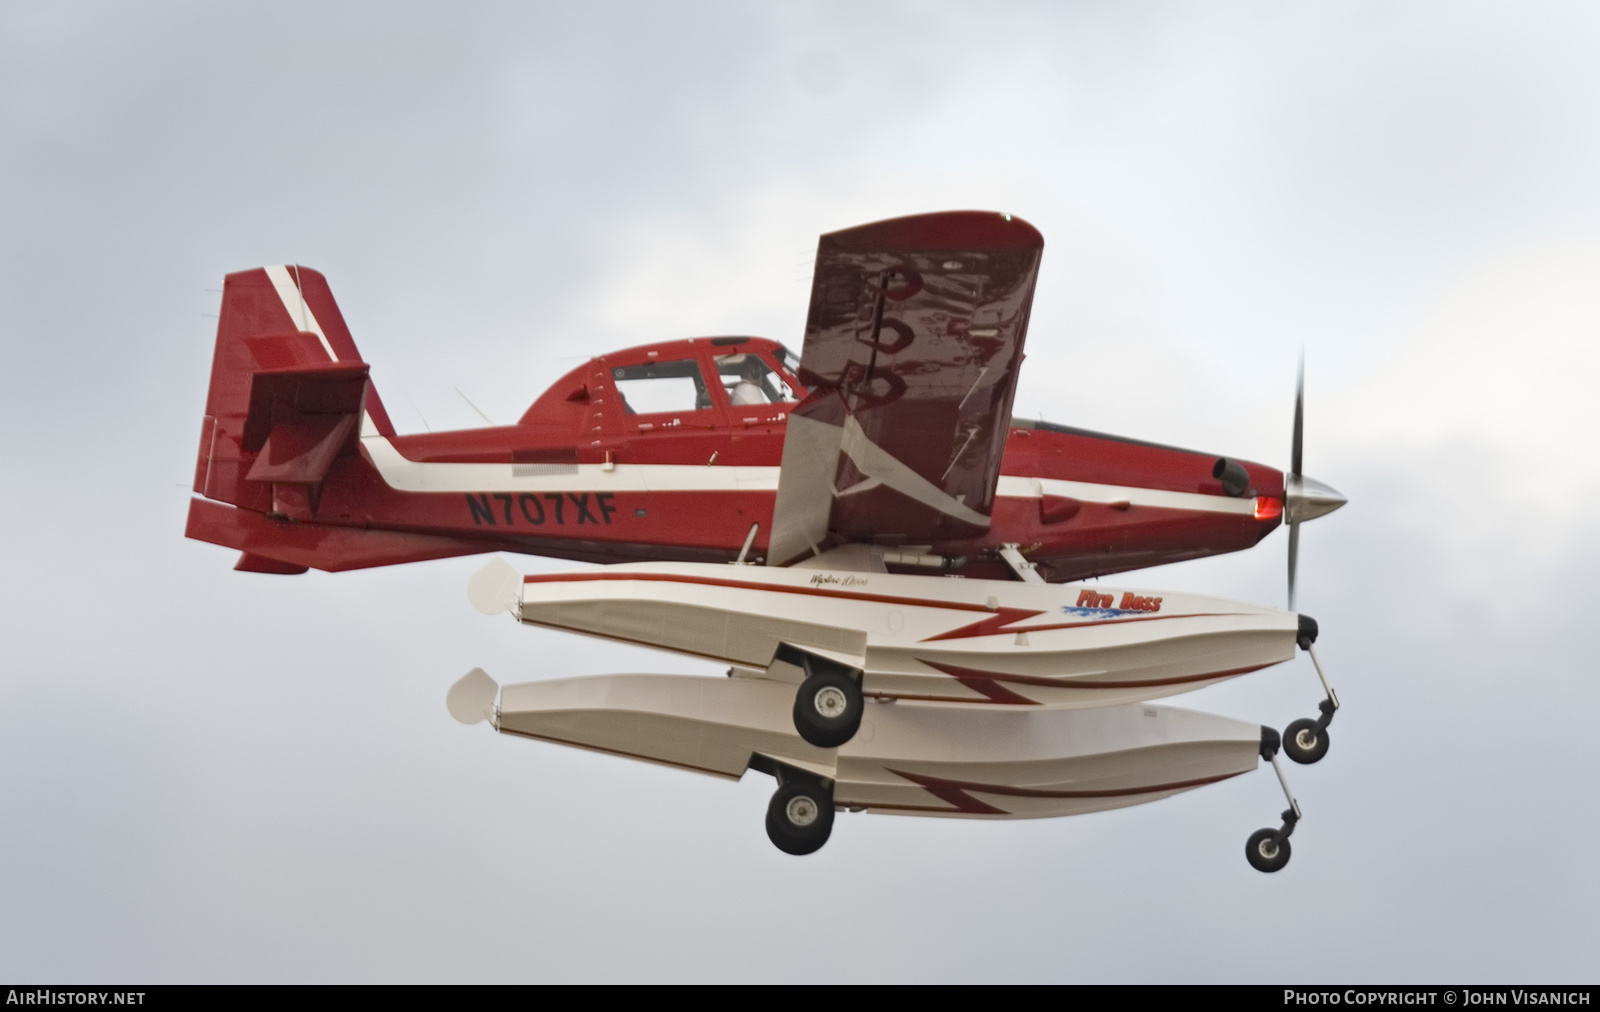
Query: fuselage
(671, 451)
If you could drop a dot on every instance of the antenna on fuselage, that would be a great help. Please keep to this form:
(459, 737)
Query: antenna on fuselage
(486, 418)
(420, 415)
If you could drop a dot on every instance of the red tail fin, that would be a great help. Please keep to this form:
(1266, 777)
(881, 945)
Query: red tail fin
(289, 396)
(273, 320)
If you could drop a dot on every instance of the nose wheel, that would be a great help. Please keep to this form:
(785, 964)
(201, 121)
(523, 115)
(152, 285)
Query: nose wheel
(1268, 850)
(1306, 741)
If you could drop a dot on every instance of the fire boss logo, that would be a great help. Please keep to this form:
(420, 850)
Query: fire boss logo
(1130, 602)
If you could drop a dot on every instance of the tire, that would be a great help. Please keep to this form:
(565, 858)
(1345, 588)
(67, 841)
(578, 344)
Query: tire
(1304, 743)
(1265, 851)
(800, 817)
(828, 708)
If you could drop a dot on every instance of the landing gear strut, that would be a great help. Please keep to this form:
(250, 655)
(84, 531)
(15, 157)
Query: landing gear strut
(828, 707)
(800, 815)
(1268, 849)
(1306, 740)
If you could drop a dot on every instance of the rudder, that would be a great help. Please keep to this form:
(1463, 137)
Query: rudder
(279, 335)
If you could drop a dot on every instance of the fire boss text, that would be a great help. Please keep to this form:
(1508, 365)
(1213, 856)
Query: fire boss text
(1130, 601)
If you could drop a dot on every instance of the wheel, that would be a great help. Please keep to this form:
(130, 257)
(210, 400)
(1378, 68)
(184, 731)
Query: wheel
(800, 817)
(828, 707)
(1304, 743)
(1265, 851)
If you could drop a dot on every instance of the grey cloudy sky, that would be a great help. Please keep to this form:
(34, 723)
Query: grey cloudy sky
(207, 775)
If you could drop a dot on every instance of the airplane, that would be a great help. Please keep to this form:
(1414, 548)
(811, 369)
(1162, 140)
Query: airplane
(885, 453)
(667, 452)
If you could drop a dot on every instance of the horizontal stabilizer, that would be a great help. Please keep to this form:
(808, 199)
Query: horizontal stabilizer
(301, 419)
(249, 563)
(318, 546)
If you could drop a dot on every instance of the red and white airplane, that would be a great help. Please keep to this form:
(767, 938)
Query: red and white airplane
(674, 451)
(885, 453)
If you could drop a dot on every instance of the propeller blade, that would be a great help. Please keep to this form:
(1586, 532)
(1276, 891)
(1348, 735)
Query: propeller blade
(1299, 418)
(1294, 559)
(1292, 480)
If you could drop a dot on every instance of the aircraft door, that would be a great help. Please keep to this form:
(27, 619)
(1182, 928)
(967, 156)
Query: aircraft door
(663, 395)
(667, 410)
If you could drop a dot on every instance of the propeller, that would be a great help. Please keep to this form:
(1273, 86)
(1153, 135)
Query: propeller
(1303, 498)
(1305, 741)
(1293, 479)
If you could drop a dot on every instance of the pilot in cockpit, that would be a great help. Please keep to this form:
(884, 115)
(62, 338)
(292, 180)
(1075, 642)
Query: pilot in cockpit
(748, 390)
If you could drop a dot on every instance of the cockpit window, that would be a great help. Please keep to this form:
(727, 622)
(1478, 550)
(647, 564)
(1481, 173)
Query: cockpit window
(658, 387)
(749, 381)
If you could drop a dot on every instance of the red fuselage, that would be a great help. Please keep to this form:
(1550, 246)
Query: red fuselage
(586, 474)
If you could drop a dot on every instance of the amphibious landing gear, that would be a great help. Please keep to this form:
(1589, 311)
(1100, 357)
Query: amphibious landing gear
(800, 815)
(828, 707)
(1268, 849)
(1306, 740)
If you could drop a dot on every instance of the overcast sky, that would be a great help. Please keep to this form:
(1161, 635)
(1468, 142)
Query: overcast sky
(209, 775)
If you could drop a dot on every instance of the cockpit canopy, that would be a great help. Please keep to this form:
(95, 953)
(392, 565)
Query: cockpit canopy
(699, 383)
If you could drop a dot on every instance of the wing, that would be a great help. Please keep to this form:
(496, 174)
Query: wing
(911, 354)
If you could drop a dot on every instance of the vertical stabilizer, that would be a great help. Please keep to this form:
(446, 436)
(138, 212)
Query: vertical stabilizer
(289, 401)
(285, 372)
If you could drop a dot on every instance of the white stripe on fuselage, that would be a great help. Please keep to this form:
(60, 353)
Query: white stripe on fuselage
(416, 476)
(301, 314)
(1016, 487)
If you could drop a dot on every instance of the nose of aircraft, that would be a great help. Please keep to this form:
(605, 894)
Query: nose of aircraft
(1307, 498)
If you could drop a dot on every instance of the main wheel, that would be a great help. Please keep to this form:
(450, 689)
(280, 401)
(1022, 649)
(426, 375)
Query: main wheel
(828, 708)
(1304, 742)
(800, 817)
(1265, 851)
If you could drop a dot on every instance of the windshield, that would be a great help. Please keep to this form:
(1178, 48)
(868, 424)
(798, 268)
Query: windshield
(789, 360)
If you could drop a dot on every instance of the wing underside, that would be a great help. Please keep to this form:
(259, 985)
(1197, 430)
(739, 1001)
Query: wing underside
(911, 352)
